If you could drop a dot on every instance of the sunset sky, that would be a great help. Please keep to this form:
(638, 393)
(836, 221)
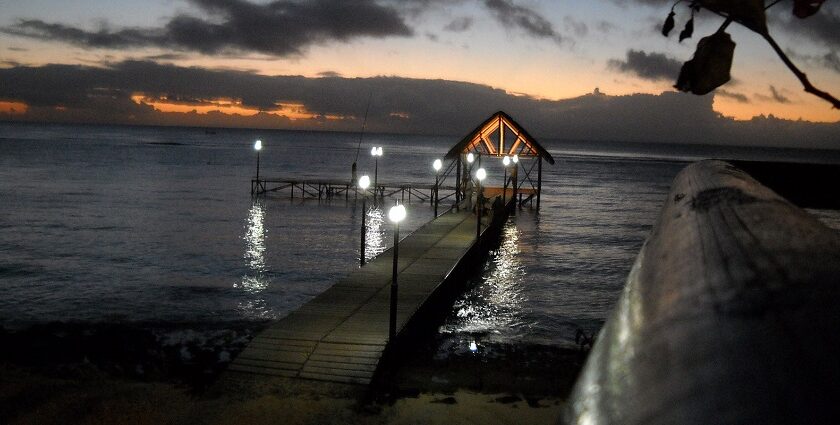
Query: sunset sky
(539, 51)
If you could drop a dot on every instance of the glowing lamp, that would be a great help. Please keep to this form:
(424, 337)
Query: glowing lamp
(397, 213)
(258, 145)
(480, 174)
(515, 159)
(470, 157)
(364, 182)
(437, 165)
(506, 161)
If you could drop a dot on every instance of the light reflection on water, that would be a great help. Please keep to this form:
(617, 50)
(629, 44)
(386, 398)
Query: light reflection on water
(375, 233)
(497, 300)
(256, 280)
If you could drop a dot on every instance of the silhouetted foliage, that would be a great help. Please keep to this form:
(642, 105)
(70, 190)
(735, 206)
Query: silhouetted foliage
(709, 68)
(712, 61)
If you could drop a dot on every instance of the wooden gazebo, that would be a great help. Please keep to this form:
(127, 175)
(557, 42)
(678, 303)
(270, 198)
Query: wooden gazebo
(499, 136)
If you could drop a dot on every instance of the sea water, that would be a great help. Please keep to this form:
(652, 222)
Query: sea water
(116, 224)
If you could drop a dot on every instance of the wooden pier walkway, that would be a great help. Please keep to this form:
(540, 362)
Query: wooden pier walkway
(331, 189)
(341, 335)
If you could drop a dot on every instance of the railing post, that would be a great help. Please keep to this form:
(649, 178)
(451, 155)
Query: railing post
(539, 180)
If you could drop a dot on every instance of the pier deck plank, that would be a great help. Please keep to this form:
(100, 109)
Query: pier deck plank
(341, 334)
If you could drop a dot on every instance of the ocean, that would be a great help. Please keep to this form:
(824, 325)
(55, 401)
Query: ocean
(148, 225)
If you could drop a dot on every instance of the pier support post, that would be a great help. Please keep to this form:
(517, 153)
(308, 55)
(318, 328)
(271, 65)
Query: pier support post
(539, 181)
(458, 182)
(437, 182)
(515, 178)
(478, 210)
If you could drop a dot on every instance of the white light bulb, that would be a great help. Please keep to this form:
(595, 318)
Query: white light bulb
(470, 157)
(506, 161)
(480, 174)
(364, 182)
(258, 145)
(397, 213)
(515, 159)
(437, 165)
(373, 151)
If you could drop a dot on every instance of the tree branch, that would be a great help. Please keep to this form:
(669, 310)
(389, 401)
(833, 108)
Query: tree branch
(772, 4)
(809, 88)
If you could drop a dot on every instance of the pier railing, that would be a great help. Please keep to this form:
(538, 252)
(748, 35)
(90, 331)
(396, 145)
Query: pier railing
(730, 314)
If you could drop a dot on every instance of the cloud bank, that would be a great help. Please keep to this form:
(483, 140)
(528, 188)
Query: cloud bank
(278, 28)
(63, 93)
(649, 66)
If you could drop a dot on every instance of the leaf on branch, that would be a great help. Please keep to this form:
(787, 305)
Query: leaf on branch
(709, 68)
(688, 30)
(669, 24)
(750, 13)
(805, 8)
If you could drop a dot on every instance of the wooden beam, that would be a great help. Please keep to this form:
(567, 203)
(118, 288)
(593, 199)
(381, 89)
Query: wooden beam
(730, 314)
(501, 136)
(515, 145)
(490, 148)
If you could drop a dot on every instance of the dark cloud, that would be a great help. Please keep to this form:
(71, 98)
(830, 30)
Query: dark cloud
(329, 74)
(459, 24)
(822, 28)
(104, 95)
(650, 66)
(278, 28)
(644, 2)
(579, 28)
(528, 20)
(775, 96)
(104, 37)
(738, 97)
(831, 61)
(167, 57)
(605, 26)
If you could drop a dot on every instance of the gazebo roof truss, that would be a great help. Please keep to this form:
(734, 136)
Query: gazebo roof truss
(489, 138)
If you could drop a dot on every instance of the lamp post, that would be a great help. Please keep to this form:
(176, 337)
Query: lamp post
(506, 163)
(437, 165)
(376, 152)
(515, 177)
(480, 175)
(364, 183)
(470, 160)
(396, 214)
(258, 148)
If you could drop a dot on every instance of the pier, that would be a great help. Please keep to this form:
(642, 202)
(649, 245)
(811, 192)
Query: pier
(343, 334)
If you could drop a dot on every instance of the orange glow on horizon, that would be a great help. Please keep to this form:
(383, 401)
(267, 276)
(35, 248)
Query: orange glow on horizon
(292, 111)
(13, 107)
(814, 110)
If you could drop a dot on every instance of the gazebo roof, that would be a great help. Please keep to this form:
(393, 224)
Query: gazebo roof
(477, 140)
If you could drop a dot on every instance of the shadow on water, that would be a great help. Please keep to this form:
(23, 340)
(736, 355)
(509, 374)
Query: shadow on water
(452, 343)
